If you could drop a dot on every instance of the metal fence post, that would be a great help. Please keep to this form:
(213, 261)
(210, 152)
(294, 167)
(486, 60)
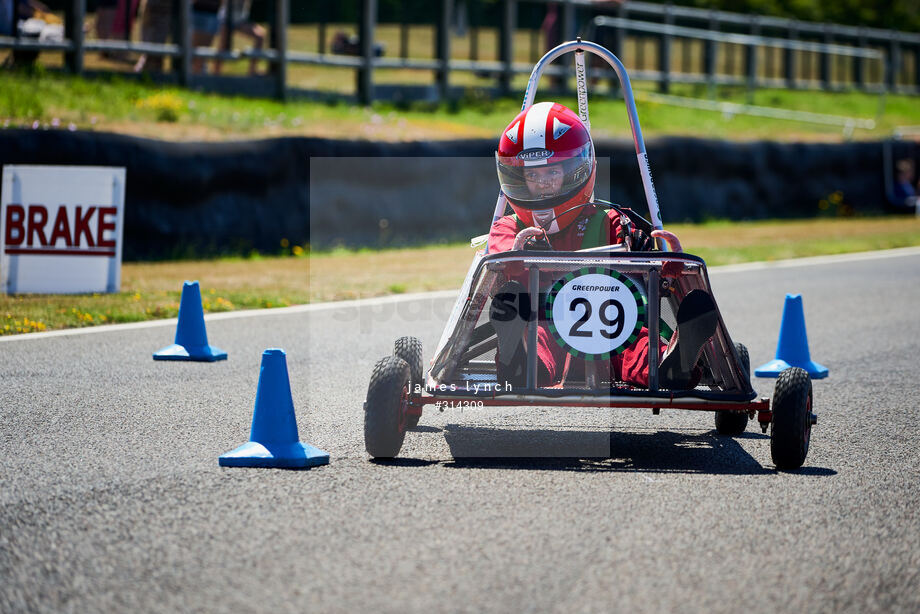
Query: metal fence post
(619, 32)
(473, 7)
(227, 29)
(442, 75)
(728, 51)
(619, 42)
(825, 67)
(73, 20)
(506, 46)
(750, 58)
(366, 36)
(710, 51)
(474, 42)
(279, 42)
(916, 68)
(535, 51)
(567, 26)
(789, 57)
(183, 63)
(640, 51)
(321, 28)
(893, 66)
(664, 52)
(859, 63)
(567, 32)
(127, 16)
(769, 68)
(404, 33)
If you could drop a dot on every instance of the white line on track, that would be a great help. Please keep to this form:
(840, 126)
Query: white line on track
(244, 313)
(900, 252)
(444, 294)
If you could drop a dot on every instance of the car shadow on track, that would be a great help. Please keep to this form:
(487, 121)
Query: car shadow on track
(602, 450)
(424, 429)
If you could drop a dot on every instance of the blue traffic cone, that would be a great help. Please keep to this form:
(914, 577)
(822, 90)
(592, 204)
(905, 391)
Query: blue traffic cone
(191, 336)
(792, 349)
(273, 441)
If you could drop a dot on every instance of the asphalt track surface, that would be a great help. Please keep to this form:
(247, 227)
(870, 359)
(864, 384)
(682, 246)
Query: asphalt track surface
(111, 498)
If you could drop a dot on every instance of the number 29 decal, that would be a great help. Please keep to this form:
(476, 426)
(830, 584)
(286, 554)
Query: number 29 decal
(595, 313)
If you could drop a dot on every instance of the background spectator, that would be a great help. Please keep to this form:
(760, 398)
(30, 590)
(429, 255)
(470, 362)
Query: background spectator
(111, 22)
(30, 19)
(240, 23)
(157, 18)
(350, 44)
(204, 27)
(552, 33)
(124, 18)
(105, 18)
(904, 192)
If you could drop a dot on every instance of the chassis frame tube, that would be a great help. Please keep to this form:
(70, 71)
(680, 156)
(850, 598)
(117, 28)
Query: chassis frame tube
(581, 46)
(645, 171)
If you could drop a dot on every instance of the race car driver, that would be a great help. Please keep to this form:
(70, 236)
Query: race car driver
(547, 169)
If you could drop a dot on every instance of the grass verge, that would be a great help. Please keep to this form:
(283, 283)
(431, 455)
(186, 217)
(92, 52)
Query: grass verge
(151, 290)
(43, 100)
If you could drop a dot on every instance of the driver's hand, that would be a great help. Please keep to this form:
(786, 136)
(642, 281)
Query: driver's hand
(641, 242)
(538, 243)
(635, 239)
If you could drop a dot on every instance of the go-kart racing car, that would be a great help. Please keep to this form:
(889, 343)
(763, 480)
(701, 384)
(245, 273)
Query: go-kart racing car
(596, 302)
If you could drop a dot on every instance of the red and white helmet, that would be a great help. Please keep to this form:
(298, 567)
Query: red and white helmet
(546, 165)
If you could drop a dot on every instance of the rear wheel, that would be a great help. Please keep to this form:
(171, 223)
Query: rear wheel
(410, 350)
(733, 423)
(790, 433)
(385, 408)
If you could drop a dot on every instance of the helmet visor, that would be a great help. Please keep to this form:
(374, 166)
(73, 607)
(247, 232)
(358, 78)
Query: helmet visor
(535, 176)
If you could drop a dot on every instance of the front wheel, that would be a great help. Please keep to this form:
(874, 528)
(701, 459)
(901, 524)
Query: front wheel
(410, 350)
(386, 407)
(792, 419)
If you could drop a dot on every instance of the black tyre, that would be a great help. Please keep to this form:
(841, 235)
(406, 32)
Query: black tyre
(733, 423)
(791, 429)
(385, 408)
(410, 350)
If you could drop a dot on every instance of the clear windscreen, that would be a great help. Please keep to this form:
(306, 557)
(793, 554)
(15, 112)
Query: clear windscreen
(468, 349)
